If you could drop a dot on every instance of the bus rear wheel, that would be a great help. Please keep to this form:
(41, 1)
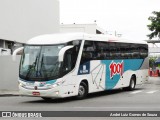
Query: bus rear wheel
(132, 83)
(82, 91)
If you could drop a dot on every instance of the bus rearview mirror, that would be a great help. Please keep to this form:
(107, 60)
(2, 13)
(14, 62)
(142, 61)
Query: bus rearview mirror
(62, 51)
(15, 53)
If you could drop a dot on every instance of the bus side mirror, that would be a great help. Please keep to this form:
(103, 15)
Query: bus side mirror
(15, 53)
(62, 51)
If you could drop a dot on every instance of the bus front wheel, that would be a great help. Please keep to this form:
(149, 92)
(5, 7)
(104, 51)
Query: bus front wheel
(82, 91)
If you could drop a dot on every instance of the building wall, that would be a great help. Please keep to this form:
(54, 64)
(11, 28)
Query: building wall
(21, 20)
(9, 73)
(24, 19)
(87, 28)
(1, 43)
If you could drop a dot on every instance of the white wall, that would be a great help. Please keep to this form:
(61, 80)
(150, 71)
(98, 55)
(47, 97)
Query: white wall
(21, 20)
(87, 28)
(9, 73)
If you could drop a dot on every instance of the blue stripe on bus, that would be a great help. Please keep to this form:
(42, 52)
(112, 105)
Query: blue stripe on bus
(50, 81)
(112, 79)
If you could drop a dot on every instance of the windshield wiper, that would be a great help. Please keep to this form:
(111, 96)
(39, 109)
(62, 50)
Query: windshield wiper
(53, 70)
(31, 66)
(42, 65)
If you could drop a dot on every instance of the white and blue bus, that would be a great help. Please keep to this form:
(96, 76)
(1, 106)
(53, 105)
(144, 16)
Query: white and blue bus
(75, 64)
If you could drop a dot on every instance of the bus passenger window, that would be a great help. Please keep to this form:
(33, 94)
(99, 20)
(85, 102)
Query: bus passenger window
(88, 52)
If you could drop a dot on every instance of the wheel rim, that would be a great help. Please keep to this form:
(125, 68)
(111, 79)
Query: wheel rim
(81, 90)
(132, 83)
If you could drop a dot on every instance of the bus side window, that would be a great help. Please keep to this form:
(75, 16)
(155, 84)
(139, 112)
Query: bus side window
(102, 50)
(88, 52)
(143, 51)
(135, 51)
(67, 62)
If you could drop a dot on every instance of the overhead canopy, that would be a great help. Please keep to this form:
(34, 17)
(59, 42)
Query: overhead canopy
(153, 41)
(157, 61)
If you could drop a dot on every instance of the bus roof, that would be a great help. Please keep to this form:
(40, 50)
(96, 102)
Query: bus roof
(61, 38)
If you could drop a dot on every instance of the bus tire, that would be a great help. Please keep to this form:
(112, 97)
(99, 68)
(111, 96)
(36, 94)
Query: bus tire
(132, 83)
(82, 91)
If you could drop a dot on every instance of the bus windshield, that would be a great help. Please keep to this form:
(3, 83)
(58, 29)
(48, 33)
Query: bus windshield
(40, 62)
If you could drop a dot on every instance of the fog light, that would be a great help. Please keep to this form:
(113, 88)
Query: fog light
(57, 92)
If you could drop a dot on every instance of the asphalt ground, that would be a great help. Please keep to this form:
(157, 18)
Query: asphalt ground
(144, 98)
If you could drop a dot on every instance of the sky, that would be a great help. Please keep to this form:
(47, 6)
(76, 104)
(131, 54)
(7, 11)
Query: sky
(126, 17)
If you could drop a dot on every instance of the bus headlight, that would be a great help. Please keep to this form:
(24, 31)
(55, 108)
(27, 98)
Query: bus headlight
(55, 85)
(21, 84)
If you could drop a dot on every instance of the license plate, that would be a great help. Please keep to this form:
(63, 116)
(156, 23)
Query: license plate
(36, 93)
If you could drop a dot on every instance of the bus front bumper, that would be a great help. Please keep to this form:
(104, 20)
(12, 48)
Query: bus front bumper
(52, 93)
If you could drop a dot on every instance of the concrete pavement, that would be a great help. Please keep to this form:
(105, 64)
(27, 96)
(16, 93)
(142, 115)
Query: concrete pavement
(8, 93)
(144, 98)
